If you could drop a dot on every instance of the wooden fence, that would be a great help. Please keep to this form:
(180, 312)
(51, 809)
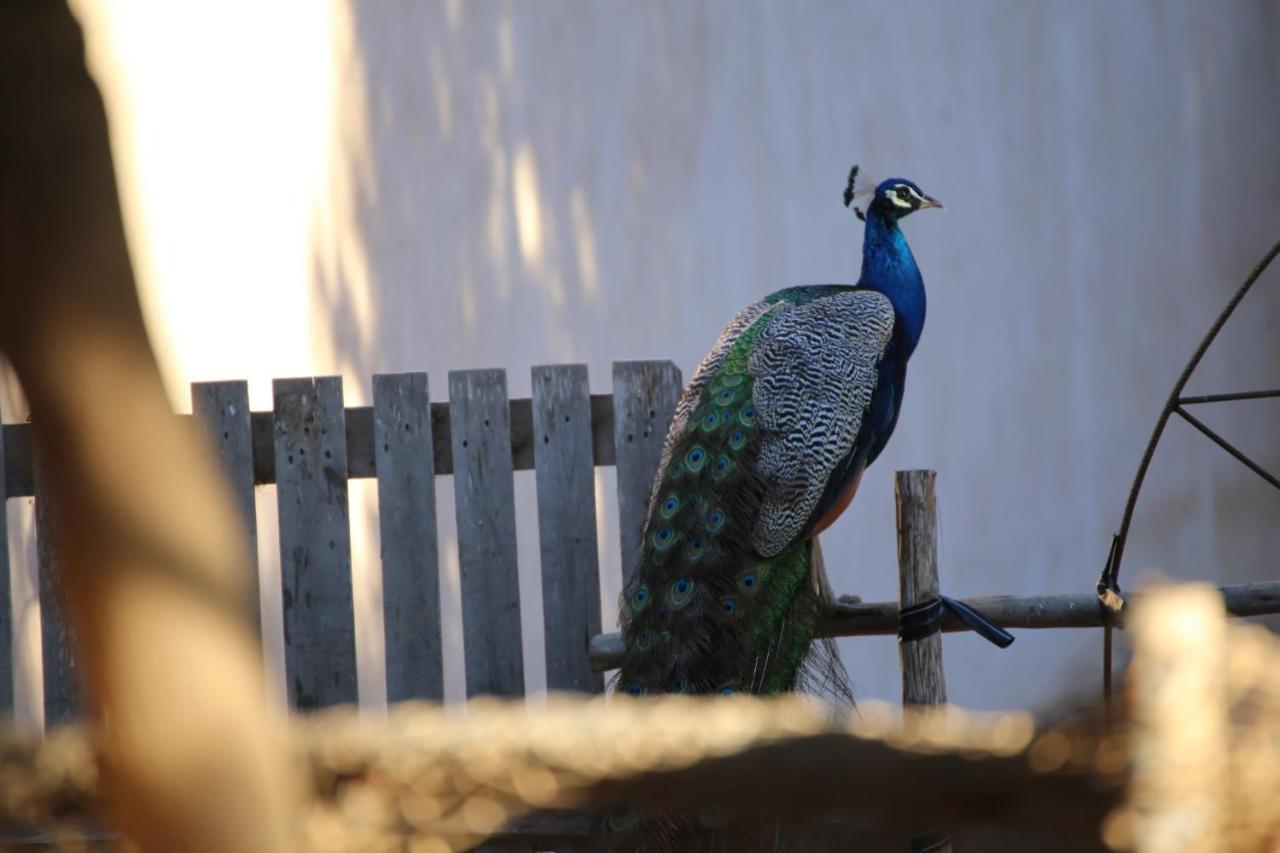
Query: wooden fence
(310, 445)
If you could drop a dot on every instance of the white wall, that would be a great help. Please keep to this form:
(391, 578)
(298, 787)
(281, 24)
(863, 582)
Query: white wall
(377, 186)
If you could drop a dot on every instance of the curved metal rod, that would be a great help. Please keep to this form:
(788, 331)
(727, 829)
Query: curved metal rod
(1112, 571)
(1108, 583)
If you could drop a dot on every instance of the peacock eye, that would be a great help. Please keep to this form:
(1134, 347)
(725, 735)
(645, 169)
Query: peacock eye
(902, 193)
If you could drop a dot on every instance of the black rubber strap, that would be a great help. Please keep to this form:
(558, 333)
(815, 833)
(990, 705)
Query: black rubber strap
(925, 619)
(920, 620)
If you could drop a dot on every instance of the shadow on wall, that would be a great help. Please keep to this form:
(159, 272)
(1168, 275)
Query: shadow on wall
(420, 173)
(459, 230)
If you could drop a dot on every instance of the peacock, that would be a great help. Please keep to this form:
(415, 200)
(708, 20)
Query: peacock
(765, 450)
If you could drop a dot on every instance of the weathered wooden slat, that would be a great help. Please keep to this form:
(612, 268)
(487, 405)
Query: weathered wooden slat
(361, 463)
(485, 498)
(566, 524)
(315, 542)
(223, 407)
(407, 519)
(7, 644)
(61, 702)
(645, 394)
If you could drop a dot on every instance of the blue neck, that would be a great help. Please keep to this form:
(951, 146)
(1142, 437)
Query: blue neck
(889, 267)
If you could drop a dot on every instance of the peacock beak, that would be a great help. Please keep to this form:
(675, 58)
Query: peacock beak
(930, 201)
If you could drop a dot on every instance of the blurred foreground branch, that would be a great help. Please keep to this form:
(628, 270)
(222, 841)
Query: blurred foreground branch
(152, 563)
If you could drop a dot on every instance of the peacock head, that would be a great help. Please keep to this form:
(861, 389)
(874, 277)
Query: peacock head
(894, 198)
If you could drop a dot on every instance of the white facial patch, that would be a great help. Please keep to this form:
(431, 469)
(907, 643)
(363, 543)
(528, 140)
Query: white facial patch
(892, 195)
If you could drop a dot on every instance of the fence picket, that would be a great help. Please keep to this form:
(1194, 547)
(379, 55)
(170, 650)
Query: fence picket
(407, 519)
(7, 622)
(223, 408)
(645, 394)
(315, 541)
(61, 703)
(566, 524)
(480, 434)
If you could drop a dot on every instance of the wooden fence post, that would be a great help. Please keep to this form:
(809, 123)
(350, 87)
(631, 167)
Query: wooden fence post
(923, 681)
(645, 394)
(8, 626)
(405, 464)
(310, 445)
(223, 410)
(61, 694)
(566, 524)
(485, 505)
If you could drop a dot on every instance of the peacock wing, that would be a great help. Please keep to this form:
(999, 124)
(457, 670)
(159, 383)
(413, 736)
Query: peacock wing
(758, 432)
(815, 370)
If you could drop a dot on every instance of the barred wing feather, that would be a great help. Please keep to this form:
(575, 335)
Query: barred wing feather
(815, 371)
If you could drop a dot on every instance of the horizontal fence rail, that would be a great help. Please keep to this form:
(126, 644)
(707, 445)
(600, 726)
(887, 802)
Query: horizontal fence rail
(880, 618)
(361, 443)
